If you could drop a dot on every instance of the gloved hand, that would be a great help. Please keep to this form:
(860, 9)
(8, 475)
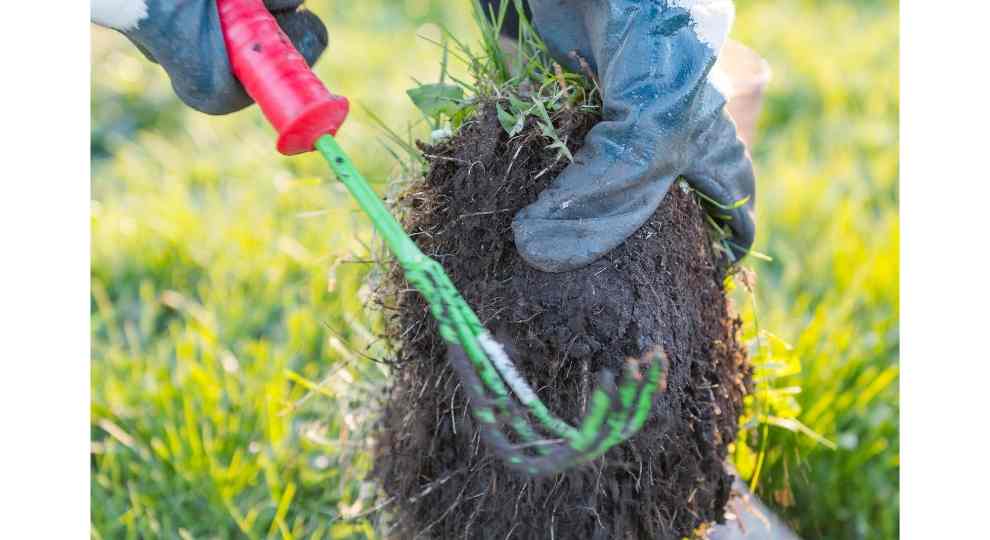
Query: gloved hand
(185, 37)
(662, 119)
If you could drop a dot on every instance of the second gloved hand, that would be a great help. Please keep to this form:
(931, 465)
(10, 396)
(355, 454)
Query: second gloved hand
(662, 119)
(185, 37)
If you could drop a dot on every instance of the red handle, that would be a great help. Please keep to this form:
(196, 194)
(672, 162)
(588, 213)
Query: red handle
(276, 76)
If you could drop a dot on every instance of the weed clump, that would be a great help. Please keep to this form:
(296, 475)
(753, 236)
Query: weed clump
(662, 287)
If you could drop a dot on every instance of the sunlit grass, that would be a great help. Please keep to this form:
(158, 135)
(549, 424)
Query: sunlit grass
(827, 202)
(229, 391)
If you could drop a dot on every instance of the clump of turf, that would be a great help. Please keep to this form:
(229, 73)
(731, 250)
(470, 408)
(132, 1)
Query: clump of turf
(662, 287)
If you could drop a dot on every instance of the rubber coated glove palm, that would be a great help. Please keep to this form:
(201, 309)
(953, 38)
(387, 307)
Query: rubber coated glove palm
(662, 119)
(185, 37)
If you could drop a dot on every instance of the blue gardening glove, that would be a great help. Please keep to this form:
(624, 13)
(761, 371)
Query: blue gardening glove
(662, 119)
(185, 37)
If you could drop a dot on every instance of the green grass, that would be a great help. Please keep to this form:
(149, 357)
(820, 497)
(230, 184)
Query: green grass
(226, 278)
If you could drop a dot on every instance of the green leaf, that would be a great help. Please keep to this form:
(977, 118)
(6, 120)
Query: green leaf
(462, 114)
(519, 106)
(438, 98)
(562, 150)
(738, 204)
(511, 124)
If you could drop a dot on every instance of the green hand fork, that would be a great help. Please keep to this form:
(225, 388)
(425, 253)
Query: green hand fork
(307, 116)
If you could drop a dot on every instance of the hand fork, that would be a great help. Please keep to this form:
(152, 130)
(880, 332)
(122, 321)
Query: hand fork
(307, 116)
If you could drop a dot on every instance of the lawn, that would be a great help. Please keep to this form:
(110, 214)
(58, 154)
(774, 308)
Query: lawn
(231, 388)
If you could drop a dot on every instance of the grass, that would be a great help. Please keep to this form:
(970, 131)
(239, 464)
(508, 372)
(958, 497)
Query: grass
(230, 386)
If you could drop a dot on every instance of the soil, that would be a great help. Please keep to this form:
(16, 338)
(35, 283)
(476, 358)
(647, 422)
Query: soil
(662, 286)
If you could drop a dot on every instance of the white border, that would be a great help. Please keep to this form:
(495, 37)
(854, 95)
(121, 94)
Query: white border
(44, 278)
(44, 273)
(945, 170)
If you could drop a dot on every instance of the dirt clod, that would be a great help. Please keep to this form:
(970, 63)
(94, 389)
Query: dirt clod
(662, 287)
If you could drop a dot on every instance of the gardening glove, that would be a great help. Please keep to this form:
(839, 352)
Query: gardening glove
(662, 119)
(185, 37)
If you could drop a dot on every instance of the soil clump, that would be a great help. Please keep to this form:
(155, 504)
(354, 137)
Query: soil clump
(663, 286)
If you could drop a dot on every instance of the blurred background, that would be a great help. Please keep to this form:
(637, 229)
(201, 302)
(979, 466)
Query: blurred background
(232, 380)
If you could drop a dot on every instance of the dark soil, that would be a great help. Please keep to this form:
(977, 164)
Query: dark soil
(663, 286)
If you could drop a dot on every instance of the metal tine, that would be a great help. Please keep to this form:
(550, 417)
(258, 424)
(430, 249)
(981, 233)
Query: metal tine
(482, 407)
(559, 456)
(459, 358)
(656, 381)
(619, 412)
(629, 412)
(506, 368)
(556, 456)
(635, 405)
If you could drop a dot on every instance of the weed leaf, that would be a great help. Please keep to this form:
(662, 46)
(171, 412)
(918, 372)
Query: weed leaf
(436, 99)
(512, 125)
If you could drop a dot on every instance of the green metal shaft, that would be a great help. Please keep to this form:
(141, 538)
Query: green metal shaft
(404, 249)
